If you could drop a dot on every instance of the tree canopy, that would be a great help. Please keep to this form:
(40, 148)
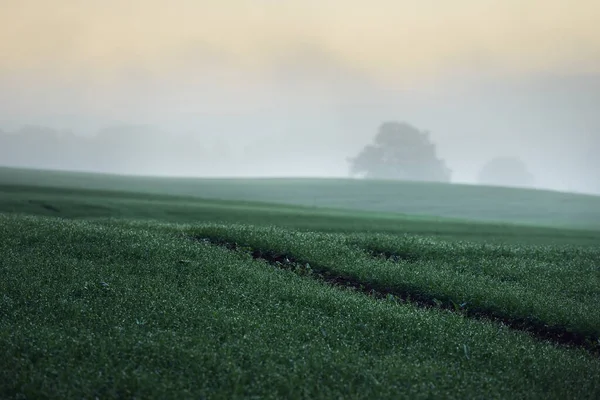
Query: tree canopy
(506, 171)
(401, 152)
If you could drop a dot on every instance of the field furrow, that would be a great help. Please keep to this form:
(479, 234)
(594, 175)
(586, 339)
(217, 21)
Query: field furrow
(529, 289)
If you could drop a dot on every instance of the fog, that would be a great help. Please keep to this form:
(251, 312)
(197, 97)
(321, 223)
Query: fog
(308, 106)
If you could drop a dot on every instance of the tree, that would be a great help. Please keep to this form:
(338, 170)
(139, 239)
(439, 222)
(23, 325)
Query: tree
(401, 152)
(506, 171)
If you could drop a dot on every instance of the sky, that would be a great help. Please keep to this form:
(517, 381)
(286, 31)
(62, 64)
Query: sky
(309, 81)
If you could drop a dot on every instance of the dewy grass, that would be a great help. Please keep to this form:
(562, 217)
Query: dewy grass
(552, 292)
(121, 304)
(124, 310)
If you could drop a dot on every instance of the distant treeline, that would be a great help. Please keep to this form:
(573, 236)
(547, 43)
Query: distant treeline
(123, 149)
(398, 151)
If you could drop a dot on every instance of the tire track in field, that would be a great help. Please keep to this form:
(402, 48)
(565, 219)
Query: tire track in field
(415, 296)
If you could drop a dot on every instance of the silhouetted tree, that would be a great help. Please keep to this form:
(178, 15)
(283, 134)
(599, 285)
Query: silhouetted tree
(402, 152)
(506, 171)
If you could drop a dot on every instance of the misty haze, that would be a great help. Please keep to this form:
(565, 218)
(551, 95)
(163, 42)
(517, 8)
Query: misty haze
(550, 125)
(299, 109)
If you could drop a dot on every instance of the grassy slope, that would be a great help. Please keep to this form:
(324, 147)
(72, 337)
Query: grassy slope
(86, 204)
(454, 201)
(113, 306)
(549, 288)
(123, 310)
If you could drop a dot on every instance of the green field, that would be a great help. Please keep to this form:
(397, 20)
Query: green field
(122, 287)
(495, 204)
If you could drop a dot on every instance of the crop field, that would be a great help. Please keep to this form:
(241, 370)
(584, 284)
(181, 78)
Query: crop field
(144, 290)
(487, 204)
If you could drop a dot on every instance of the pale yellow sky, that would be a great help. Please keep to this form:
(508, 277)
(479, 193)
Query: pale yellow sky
(390, 39)
(496, 77)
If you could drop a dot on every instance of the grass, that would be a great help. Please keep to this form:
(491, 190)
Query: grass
(550, 290)
(121, 294)
(489, 204)
(114, 309)
(94, 204)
